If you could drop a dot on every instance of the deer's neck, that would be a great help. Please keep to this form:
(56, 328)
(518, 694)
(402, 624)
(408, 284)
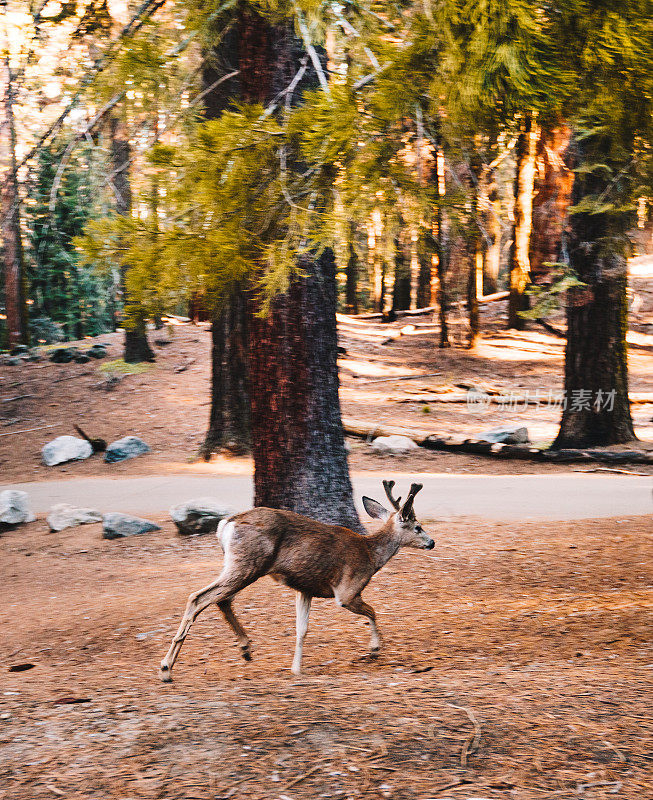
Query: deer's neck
(383, 545)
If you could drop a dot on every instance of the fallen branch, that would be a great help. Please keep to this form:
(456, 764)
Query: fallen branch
(493, 298)
(551, 328)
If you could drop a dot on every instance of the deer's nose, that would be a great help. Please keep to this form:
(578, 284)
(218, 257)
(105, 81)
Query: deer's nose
(430, 545)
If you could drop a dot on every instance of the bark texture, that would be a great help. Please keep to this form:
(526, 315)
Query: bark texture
(519, 262)
(553, 186)
(137, 347)
(229, 427)
(597, 409)
(300, 462)
(12, 254)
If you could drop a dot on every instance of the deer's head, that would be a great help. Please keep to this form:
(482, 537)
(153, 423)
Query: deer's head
(405, 524)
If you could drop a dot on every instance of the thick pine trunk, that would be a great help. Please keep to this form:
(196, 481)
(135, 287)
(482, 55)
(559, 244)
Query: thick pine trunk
(519, 263)
(229, 416)
(597, 410)
(137, 347)
(300, 462)
(493, 250)
(12, 255)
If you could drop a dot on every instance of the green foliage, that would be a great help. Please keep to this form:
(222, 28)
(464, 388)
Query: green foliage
(548, 298)
(61, 288)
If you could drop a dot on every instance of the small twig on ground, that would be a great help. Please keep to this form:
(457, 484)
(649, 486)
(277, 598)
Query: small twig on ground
(17, 397)
(446, 786)
(471, 743)
(300, 778)
(29, 430)
(400, 378)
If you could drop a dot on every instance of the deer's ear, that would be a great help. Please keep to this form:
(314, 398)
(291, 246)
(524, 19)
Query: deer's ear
(374, 509)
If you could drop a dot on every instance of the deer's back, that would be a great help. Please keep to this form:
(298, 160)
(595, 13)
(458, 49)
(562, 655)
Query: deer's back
(305, 554)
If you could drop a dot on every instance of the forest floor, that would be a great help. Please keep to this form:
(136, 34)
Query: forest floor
(517, 664)
(167, 403)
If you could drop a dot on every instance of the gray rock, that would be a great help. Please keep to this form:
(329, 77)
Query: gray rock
(200, 515)
(14, 508)
(65, 448)
(13, 361)
(81, 358)
(127, 447)
(97, 351)
(393, 445)
(20, 350)
(63, 355)
(64, 515)
(507, 434)
(117, 526)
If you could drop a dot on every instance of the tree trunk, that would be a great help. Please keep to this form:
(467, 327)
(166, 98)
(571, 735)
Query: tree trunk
(597, 410)
(351, 273)
(137, 347)
(229, 427)
(519, 263)
(12, 254)
(415, 268)
(493, 250)
(474, 292)
(300, 462)
(402, 279)
(553, 187)
(439, 277)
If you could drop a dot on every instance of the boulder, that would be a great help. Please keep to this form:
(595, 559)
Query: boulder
(13, 361)
(14, 508)
(81, 358)
(63, 355)
(64, 515)
(507, 434)
(200, 515)
(97, 351)
(118, 526)
(65, 448)
(127, 447)
(20, 350)
(393, 445)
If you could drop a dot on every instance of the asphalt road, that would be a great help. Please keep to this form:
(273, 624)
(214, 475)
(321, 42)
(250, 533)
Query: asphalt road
(499, 497)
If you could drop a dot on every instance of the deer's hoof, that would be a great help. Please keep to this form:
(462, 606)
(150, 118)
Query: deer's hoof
(246, 652)
(165, 673)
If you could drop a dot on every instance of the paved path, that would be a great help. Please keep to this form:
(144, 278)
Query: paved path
(509, 497)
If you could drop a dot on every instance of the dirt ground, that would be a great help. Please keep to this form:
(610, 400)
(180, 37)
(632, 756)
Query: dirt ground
(517, 663)
(168, 404)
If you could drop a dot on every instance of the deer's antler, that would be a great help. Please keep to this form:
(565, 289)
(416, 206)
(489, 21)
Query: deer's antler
(407, 510)
(388, 486)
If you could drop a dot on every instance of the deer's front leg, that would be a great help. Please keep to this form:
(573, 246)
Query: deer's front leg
(358, 606)
(303, 607)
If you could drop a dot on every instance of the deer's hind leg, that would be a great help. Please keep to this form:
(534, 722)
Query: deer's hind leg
(358, 606)
(221, 590)
(243, 639)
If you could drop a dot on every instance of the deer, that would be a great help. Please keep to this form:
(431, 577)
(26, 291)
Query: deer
(313, 558)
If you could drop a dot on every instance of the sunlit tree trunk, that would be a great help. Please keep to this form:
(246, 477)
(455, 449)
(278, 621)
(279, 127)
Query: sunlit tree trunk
(137, 347)
(12, 254)
(553, 186)
(474, 292)
(519, 263)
